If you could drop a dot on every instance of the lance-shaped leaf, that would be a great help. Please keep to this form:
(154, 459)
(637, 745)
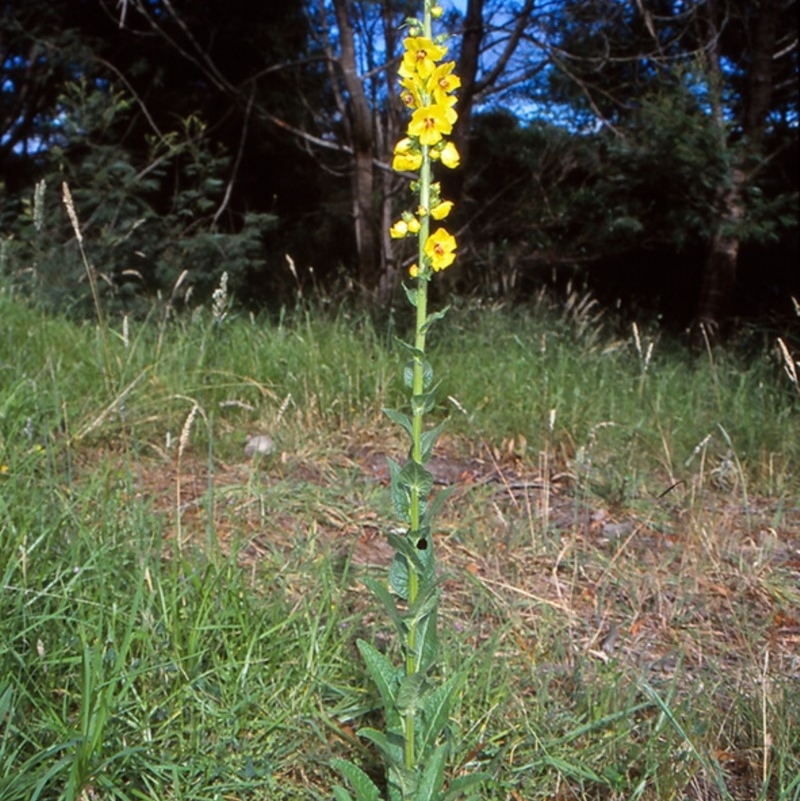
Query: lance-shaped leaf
(428, 440)
(432, 318)
(401, 497)
(398, 576)
(435, 505)
(390, 745)
(389, 605)
(436, 710)
(432, 779)
(385, 675)
(411, 294)
(427, 645)
(364, 788)
(403, 420)
(414, 351)
(460, 785)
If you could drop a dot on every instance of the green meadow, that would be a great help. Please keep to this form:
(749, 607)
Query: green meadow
(178, 619)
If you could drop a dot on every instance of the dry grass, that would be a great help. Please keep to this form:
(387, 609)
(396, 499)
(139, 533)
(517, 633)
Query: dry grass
(693, 592)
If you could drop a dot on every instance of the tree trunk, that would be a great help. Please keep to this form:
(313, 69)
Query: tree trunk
(362, 178)
(718, 287)
(717, 292)
(467, 71)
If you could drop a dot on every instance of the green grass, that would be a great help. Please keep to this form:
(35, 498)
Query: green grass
(179, 623)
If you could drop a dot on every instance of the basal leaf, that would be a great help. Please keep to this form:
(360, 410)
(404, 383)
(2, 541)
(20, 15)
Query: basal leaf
(463, 783)
(432, 779)
(385, 675)
(390, 745)
(436, 709)
(364, 788)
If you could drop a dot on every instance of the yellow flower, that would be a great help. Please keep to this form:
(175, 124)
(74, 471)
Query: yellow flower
(431, 123)
(449, 156)
(410, 95)
(440, 249)
(407, 162)
(414, 225)
(420, 57)
(442, 83)
(399, 230)
(440, 211)
(413, 270)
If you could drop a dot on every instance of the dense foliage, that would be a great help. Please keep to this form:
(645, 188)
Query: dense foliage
(613, 143)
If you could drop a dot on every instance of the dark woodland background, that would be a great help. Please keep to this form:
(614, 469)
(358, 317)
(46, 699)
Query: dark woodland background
(646, 151)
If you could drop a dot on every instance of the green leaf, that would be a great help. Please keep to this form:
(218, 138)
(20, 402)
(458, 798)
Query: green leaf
(390, 745)
(463, 783)
(428, 440)
(364, 788)
(388, 603)
(427, 374)
(424, 403)
(410, 693)
(432, 318)
(436, 709)
(405, 546)
(401, 499)
(403, 420)
(385, 675)
(340, 794)
(436, 505)
(427, 640)
(398, 576)
(411, 294)
(414, 351)
(433, 777)
(415, 478)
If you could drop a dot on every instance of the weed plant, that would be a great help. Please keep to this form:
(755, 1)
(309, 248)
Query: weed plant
(177, 622)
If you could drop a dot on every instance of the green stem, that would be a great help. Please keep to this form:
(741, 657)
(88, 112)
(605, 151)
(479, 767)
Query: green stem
(418, 387)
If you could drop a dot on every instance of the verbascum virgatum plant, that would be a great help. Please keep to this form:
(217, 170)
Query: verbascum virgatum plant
(415, 699)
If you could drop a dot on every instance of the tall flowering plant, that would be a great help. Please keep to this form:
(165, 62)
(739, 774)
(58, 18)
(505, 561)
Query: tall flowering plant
(416, 701)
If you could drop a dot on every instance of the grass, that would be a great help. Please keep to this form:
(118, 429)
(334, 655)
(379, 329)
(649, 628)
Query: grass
(177, 622)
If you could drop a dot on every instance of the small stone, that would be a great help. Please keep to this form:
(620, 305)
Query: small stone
(259, 444)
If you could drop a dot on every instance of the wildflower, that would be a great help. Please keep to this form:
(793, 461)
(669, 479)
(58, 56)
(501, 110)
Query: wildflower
(440, 249)
(420, 57)
(413, 271)
(407, 157)
(411, 95)
(441, 210)
(399, 230)
(442, 83)
(450, 156)
(407, 162)
(431, 123)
